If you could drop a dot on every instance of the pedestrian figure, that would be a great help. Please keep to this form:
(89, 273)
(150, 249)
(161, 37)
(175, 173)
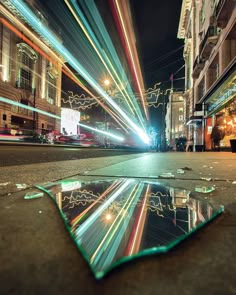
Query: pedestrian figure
(216, 136)
(158, 142)
(189, 146)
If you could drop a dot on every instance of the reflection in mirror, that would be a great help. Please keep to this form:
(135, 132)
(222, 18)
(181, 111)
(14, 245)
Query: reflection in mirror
(115, 221)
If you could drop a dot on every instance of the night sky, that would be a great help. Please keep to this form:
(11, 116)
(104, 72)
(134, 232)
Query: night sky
(161, 53)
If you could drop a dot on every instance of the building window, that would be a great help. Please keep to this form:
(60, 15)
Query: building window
(51, 97)
(25, 79)
(181, 109)
(181, 117)
(52, 76)
(26, 59)
(4, 117)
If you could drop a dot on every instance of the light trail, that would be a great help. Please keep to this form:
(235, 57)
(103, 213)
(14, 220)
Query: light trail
(132, 104)
(102, 132)
(27, 14)
(96, 46)
(122, 11)
(86, 225)
(65, 69)
(110, 234)
(136, 235)
(18, 104)
(113, 186)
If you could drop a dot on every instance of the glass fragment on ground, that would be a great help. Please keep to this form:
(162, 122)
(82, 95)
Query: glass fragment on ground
(113, 221)
(204, 189)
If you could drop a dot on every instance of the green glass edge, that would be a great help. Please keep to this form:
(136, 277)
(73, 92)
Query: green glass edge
(143, 253)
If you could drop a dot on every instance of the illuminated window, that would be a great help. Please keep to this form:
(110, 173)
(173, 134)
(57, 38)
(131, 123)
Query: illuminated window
(51, 90)
(52, 76)
(181, 117)
(181, 109)
(26, 59)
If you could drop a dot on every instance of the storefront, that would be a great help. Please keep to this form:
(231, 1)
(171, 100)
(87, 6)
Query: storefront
(221, 111)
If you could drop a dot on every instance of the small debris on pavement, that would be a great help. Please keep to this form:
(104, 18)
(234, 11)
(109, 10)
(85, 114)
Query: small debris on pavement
(186, 168)
(180, 171)
(19, 185)
(206, 178)
(33, 195)
(166, 175)
(4, 183)
(204, 189)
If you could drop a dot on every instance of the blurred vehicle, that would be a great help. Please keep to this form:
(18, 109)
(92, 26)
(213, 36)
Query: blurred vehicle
(77, 140)
(11, 134)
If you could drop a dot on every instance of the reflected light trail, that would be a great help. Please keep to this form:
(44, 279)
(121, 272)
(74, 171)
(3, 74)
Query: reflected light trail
(85, 226)
(104, 194)
(117, 229)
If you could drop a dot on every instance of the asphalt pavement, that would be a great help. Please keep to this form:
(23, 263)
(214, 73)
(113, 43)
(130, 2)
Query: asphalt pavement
(38, 256)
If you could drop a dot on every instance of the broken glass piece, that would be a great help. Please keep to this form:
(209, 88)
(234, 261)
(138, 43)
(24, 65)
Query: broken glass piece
(4, 183)
(113, 221)
(206, 178)
(19, 185)
(204, 189)
(180, 171)
(33, 195)
(166, 175)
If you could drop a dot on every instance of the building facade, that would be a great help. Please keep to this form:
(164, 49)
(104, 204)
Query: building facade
(30, 77)
(209, 31)
(174, 118)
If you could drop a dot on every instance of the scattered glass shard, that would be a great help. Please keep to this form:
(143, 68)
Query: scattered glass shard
(19, 185)
(113, 221)
(206, 178)
(4, 183)
(180, 171)
(166, 175)
(204, 189)
(33, 195)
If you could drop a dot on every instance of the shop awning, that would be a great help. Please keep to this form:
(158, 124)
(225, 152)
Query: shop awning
(194, 119)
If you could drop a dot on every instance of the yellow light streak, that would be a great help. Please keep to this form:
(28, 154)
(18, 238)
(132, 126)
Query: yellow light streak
(98, 53)
(116, 223)
(131, 56)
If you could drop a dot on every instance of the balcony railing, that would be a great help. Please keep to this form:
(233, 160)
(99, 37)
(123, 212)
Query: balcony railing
(223, 12)
(209, 42)
(197, 67)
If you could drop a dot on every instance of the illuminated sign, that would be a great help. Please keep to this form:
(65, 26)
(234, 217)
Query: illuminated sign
(222, 99)
(69, 121)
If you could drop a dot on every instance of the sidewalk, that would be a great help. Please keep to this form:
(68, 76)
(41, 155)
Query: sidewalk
(38, 256)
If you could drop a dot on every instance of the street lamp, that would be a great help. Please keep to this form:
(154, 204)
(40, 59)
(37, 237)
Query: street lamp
(107, 82)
